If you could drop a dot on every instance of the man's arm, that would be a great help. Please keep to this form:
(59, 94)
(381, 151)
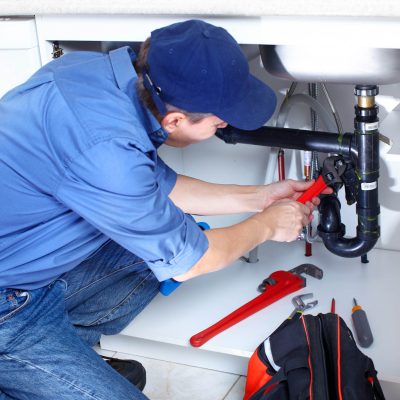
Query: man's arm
(197, 197)
(282, 221)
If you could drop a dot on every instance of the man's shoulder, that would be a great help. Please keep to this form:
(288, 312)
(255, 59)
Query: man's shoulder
(87, 84)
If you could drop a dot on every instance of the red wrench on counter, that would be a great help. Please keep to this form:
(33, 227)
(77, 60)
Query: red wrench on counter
(279, 284)
(332, 170)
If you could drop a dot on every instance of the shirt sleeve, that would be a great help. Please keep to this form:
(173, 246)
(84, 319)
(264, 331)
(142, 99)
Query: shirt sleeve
(117, 188)
(166, 177)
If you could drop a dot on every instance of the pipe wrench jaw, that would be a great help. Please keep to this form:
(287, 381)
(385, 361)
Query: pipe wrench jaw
(262, 287)
(293, 277)
(308, 269)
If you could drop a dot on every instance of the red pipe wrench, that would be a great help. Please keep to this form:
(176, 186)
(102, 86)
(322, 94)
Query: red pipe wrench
(332, 170)
(279, 284)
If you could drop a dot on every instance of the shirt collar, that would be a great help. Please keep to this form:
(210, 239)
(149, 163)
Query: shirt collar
(122, 64)
(158, 135)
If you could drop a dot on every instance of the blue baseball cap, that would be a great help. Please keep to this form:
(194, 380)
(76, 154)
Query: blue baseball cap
(199, 67)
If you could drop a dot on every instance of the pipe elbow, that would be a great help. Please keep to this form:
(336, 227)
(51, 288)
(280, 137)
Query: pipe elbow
(332, 231)
(348, 247)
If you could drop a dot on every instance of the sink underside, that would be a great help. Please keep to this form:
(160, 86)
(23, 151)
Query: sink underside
(336, 64)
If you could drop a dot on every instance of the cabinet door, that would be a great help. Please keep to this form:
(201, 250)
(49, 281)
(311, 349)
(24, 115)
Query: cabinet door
(19, 51)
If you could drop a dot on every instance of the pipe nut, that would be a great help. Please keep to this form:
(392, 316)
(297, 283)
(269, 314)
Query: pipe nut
(366, 90)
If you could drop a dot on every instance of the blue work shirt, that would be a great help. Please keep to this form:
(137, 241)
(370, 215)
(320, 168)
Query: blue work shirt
(78, 166)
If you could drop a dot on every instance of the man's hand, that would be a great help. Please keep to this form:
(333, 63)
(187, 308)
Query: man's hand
(281, 222)
(279, 217)
(284, 219)
(197, 197)
(289, 189)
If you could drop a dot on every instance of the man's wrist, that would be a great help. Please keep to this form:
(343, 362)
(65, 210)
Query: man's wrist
(262, 196)
(264, 231)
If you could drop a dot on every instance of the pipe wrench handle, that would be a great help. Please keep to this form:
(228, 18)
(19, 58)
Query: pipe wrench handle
(314, 191)
(285, 283)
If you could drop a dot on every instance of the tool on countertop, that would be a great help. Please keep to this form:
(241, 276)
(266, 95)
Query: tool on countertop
(300, 307)
(332, 170)
(279, 284)
(361, 325)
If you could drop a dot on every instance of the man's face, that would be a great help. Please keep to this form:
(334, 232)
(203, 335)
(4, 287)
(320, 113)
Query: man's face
(186, 132)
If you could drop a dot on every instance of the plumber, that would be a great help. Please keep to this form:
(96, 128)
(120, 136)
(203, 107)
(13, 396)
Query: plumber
(92, 220)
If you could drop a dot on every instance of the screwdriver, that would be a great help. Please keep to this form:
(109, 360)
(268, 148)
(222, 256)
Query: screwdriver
(361, 325)
(333, 306)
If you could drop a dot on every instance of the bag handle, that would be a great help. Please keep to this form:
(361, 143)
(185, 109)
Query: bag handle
(376, 386)
(281, 376)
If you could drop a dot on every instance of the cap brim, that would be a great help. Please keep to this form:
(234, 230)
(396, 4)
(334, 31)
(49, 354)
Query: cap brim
(252, 110)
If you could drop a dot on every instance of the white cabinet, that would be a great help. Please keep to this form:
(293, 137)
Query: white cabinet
(19, 51)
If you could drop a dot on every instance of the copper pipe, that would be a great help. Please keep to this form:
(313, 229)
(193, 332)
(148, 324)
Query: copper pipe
(281, 165)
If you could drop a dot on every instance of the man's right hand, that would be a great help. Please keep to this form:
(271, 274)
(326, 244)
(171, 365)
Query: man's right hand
(284, 220)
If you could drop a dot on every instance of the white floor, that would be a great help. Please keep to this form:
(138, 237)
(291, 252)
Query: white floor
(170, 381)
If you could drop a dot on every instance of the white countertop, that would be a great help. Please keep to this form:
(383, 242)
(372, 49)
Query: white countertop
(254, 8)
(201, 302)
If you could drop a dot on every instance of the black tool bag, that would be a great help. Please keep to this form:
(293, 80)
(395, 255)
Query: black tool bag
(311, 357)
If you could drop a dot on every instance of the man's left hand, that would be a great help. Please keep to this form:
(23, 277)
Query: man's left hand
(289, 189)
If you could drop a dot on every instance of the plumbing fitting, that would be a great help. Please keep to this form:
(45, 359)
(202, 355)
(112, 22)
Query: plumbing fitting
(360, 151)
(366, 95)
(364, 187)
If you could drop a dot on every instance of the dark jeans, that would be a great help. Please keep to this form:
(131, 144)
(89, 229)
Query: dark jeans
(47, 334)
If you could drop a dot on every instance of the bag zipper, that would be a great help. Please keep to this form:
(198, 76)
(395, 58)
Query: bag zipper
(318, 392)
(323, 356)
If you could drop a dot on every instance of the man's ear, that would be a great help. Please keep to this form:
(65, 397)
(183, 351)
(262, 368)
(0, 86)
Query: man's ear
(172, 121)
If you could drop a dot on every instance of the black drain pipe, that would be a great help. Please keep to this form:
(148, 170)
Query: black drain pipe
(366, 144)
(361, 148)
(288, 138)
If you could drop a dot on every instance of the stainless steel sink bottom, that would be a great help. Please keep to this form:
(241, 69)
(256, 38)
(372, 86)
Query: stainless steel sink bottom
(336, 64)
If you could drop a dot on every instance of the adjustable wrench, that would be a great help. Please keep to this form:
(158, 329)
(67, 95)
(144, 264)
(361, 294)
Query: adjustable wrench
(300, 307)
(279, 284)
(332, 170)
